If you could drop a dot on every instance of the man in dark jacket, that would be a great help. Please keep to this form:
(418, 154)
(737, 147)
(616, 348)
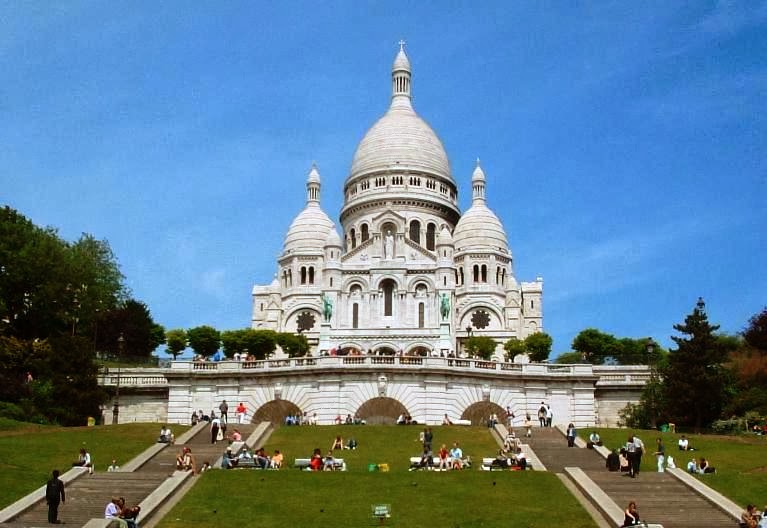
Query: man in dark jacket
(54, 495)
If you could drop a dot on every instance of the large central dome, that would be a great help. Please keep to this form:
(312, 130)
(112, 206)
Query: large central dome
(400, 140)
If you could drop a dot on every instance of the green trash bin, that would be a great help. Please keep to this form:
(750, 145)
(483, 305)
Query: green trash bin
(663, 428)
(372, 467)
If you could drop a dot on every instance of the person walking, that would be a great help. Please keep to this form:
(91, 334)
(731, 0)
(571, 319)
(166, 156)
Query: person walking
(638, 452)
(54, 495)
(571, 435)
(224, 408)
(542, 414)
(631, 456)
(660, 454)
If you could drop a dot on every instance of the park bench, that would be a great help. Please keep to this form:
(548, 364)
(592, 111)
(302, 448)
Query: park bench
(415, 463)
(303, 464)
(491, 464)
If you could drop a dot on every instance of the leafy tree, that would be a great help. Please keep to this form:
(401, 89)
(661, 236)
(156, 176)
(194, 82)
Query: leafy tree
(204, 340)
(133, 321)
(259, 343)
(480, 346)
(293, 345)
(755, 333)
(175, 341)
(538, 346)
(571, 357)
(514, 347)
(594, 346)
(695, 379)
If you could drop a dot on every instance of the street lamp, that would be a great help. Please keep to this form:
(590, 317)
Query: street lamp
(469, 330)
(650, 350)
(700, 305)
(116, 408)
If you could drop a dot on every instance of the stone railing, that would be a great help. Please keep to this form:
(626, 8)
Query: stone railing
(604, 375)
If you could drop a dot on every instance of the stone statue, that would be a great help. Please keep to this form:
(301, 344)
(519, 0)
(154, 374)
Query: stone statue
(327, 308)
(444, 306)
(388, 246)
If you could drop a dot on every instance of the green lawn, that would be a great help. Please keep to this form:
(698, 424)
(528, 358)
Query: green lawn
(739, 460)
(470, 498)
(28, 452)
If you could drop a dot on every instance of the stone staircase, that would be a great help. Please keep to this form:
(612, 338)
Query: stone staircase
(660, 497)
(88, 495)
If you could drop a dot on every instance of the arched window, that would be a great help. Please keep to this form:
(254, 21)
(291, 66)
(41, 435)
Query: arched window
(262, 308)
(331, 282)
(503, 277)
(415, 231)
(303, 275)
(388, 293)
(476, 273)
(497, 275)
(365, 234)
(484, 273)
(290, 277)
(444, 281)
(353, 236)
(311, 274)
(355, 315)
(462, 278)
(421, 314)
(431, 232)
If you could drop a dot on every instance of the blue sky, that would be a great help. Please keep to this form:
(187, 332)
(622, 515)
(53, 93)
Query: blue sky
(624, 143)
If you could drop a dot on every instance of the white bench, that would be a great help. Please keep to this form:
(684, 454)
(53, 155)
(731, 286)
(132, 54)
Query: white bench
(415, 463)
(303, 464)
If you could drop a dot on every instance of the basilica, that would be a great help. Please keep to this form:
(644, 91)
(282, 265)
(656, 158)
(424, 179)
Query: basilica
(409, 273)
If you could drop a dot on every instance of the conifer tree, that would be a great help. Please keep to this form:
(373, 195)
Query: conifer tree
(695, 379)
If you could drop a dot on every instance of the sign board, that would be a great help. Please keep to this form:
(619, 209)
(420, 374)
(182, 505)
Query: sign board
(381, 511)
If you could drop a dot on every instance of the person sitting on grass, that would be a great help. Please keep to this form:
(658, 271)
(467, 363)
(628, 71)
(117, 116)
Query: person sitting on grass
(329, 464)
(704, 467)
(692, 466)
(594, 440)
(166, 435)
(351, 444)
(501, 460)
(427, 460)
(338, 443)
(262, 460)
(276, 461)
(684, 444)
(457, 455)
(443, 454)
(84, 460)
(205, 467)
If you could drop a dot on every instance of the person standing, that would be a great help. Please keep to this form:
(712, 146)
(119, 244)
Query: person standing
(242, 411)
(54, 495)
(528, 426)
(542, 414)
(638, 452)
(631, 455)
(571, 435)
(215, 428)
(660, 455)
(224, 408)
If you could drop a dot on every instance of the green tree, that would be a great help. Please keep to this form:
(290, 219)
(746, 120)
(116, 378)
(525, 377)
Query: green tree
(204, 340)
(755, 333)
(293, 345)
(132, 320)
(480, 346)
(175, 341)
(259, 343)
(695, 380)
(594, 346)
(538, 346)
(569, 358)
(514, 347)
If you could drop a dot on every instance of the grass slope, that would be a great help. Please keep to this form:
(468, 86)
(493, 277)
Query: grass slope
(468, 499)
(739, 460)
(29, 452)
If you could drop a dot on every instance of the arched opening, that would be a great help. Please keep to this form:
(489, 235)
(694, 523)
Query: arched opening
(353, 236)
(365, 233)
(385, 351)
(421, 315)
(311, 274)
(415, 231)
(462, 278)
(275, 412)
(476, 273)
(381, 411)
(290, 277)
(431, 232)
(303, 274)
(355, 315)
(419, 351)
(388, 287)
(479, 413)
(484, 273)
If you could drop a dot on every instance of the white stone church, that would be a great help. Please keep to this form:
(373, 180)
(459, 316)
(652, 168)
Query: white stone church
(410, 275)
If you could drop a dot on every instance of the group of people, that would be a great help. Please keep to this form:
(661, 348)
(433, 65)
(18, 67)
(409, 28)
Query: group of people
(751, 518)
(257, 459)
(349, 420)
(327, 463)
(545, 415)
(241, 414)
(126, 517)
(700, 467)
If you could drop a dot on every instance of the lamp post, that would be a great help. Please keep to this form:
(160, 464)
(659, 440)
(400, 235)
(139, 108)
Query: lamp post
(116, 408)
(469, 330)
(651, 400)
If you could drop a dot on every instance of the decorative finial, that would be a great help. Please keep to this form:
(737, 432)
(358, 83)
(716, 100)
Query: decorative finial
(477, 161)
(314, 164)
(402, 45)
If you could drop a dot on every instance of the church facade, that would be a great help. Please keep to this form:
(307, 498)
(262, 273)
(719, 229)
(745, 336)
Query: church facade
(409, 274)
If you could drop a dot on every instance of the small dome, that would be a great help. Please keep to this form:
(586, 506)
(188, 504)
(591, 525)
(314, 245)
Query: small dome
(401, 62)
(333, 240)
(479, 228)
(309, 229)
(444, 238)
(314, 175)
(478, 175)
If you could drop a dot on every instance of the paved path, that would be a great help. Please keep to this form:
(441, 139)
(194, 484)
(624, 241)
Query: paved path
(661, 498)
